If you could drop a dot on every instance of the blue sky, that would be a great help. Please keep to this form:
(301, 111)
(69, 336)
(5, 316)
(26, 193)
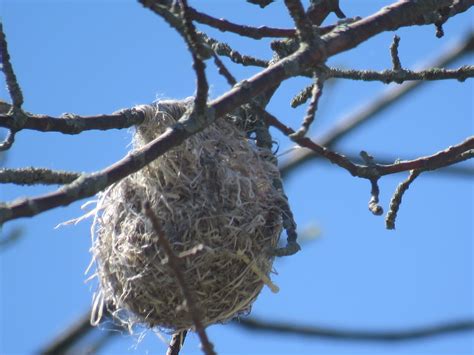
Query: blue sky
(90, 57)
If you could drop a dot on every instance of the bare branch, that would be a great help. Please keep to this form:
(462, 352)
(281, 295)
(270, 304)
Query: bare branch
(89, 184)
(358, 335)
(400, 14)
(443, 158)
(397, 199)
(222, 69)
(320, 9)
(175, 265)
(374, 206)
(297, 13)
(243, 30)
(302, 96)
(453, 171)
(82, 327)
(36, 176)
(402, 75)
(456, 7)
(73, 124)
(176, 343)
(316, 92)
(372, 109)
(224, 49)
(191, 37)
(8, 141)
(7, 68)
(396, 64)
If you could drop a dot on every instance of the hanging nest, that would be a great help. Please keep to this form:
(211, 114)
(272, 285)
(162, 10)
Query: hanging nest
(215, 199)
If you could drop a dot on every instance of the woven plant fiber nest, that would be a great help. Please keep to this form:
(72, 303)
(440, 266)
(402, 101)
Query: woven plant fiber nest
(217, 205)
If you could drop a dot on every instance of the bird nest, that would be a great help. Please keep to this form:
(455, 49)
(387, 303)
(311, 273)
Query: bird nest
(215, 199)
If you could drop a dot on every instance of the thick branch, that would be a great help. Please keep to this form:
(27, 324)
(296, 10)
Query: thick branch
(89, 184)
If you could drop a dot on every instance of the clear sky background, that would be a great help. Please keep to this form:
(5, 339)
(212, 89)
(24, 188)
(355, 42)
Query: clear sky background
(90, 57)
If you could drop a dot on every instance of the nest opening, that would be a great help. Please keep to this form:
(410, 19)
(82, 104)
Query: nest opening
(215, 199)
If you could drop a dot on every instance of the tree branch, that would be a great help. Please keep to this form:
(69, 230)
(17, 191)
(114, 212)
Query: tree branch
(403, 13)
(242, 30)
(175, 265)
(74, 124)
(7, 68)
(357, 335)
(396, 64)
(303, 26)
(82, 327)
(316, 92)
(372, 109)
(397, 199)
(443, 158)
(320, 9)
(36, 176)
(402, 75)
(176, 343)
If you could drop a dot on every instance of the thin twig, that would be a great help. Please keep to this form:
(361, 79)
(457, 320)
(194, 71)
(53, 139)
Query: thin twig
(397, 199)
(191, 37)
(36, 176)
(8, 141)
(223, 49)
(7, 68)
(358, 335)
(374, 206)
(302, 96)
(242, 30)
(396, 64)
(316, 92)
(175, 265)
(222, 69)
(401, 75)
